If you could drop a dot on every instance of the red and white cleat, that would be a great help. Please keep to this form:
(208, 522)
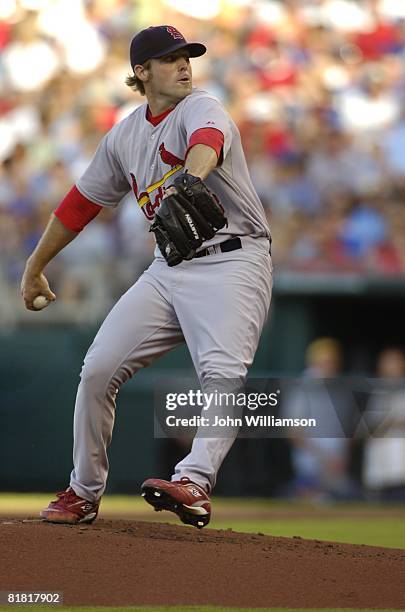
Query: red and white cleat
(183, 497)
(70, 508)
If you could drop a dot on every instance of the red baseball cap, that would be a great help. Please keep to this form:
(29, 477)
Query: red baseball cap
(158, 41)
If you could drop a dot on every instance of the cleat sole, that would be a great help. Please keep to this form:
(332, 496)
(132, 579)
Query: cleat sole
(163, 501)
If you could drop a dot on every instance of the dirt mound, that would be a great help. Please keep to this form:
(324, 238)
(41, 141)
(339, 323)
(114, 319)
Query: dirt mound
(122, 563)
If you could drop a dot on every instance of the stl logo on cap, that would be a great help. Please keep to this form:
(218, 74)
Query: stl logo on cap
(175, 33)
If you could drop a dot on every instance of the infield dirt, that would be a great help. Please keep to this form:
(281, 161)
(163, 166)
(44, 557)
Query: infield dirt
(122, 563)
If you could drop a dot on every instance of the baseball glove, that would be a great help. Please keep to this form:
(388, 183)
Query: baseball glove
(186, 219)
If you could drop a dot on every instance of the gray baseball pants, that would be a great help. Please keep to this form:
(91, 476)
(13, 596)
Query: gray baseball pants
(217, 304)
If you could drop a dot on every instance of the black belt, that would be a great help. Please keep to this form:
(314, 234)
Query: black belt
(233, 244)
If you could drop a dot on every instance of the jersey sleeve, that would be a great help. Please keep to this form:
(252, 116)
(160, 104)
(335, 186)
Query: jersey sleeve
(104, 181)
(206, 112)
(210, 137)
(76, 211)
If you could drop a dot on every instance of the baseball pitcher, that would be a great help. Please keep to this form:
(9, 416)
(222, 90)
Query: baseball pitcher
(209, 284)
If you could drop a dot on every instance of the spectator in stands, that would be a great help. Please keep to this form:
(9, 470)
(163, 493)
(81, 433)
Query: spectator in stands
(28, 48)
(364, 227)
(384, 453)
(320, 463)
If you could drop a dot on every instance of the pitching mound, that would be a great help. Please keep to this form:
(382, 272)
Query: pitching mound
(122, 563)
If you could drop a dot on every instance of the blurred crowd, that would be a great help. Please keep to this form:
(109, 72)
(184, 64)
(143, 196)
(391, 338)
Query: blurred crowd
(317, 88)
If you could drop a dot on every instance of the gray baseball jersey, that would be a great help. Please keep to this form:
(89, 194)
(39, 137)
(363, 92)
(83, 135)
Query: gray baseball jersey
(217, 304)
(135, 154)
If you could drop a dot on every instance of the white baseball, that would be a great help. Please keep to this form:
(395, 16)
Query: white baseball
(40, 302)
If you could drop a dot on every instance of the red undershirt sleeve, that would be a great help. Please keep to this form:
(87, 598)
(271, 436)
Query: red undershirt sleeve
(76, 211)
(208, 136)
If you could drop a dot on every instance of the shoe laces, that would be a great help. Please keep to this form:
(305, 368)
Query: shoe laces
(185, 480)
(68, 495)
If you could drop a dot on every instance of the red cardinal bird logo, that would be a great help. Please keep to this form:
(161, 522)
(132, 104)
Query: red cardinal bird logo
(169, 158)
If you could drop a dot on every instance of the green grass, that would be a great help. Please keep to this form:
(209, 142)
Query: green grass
(355, 523)
(133, 504)
(32, 502)
(371, 532)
